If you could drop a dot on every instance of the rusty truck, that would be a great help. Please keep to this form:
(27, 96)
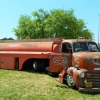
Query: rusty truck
(75, 61)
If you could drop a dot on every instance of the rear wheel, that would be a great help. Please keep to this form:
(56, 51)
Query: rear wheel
(36, 65)
(69, 80)
(39, 65)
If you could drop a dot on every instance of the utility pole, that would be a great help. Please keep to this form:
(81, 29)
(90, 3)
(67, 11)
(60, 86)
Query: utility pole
(98, 29)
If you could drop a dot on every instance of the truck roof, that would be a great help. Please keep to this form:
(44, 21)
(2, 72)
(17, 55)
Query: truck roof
(77, 40)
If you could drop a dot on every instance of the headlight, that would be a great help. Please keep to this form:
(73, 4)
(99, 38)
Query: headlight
(81, 74)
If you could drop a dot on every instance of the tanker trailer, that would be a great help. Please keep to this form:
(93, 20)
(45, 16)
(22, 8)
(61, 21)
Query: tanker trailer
(37, 54)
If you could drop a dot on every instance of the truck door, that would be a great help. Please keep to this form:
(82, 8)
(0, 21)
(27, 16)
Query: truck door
(67, 51)
(60, 60)
(57, 61)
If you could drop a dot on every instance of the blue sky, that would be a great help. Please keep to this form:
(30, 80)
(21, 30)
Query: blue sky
(10, 11)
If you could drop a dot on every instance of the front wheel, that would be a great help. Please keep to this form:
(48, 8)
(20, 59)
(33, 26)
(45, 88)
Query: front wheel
(51, 73)
(69, 80)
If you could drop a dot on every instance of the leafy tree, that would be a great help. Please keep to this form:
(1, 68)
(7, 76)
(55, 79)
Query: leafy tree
(39, 23)
(66, 25)
(24, 29)
(7, 38)
(56, 23)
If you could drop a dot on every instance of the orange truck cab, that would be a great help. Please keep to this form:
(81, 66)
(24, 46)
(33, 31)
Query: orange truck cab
(83, 69)
(77, 60)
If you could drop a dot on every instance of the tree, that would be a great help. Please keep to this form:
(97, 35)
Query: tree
(25, 27)
(39, 23)
(56, 23)
(7, 38)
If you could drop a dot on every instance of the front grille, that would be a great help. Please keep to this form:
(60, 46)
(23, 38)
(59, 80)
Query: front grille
(94, 78)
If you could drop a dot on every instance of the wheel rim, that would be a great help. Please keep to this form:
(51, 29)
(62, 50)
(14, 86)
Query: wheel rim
(70, 80)
(34, 65)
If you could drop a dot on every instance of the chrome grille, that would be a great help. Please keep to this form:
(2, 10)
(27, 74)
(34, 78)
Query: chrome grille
(94, 78)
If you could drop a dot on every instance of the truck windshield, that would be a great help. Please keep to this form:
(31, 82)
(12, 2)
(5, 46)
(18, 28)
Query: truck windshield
(85, 46)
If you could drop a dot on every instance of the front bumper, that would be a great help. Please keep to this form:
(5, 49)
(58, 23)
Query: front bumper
(89, 90)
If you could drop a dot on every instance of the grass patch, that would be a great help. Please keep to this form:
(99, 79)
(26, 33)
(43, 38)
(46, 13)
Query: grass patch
(19, 85)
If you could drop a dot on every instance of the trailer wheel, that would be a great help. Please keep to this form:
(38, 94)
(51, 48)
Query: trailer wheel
(69, 80)
(36, 65)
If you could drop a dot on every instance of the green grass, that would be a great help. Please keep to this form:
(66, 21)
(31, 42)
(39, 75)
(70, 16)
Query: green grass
(20, 85)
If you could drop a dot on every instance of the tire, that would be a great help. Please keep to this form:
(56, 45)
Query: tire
(36, 65)
(39, 65)
(69, 80)
(51, 73)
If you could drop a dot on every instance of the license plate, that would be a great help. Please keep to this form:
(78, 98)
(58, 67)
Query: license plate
(88, 84)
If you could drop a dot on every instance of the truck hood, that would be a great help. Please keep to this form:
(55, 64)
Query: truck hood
(88, 60)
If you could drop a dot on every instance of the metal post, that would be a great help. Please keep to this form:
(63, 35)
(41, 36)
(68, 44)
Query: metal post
(98, 30)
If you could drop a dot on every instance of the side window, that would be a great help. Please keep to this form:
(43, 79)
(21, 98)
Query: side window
(66, 48)
(93, 47)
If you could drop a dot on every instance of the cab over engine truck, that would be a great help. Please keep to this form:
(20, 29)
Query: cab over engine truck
(77, 61)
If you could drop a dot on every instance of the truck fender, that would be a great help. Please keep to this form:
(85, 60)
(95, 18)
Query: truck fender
(74, 72)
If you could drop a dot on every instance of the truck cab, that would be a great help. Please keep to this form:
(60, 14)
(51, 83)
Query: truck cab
(83, 67)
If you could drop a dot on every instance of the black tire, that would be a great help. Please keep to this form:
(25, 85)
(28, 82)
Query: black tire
(69, 81)
(39, 65)
(36, 65)
(51, 73)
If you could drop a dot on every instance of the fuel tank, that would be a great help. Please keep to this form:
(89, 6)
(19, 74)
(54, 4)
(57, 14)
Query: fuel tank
(29, 46)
